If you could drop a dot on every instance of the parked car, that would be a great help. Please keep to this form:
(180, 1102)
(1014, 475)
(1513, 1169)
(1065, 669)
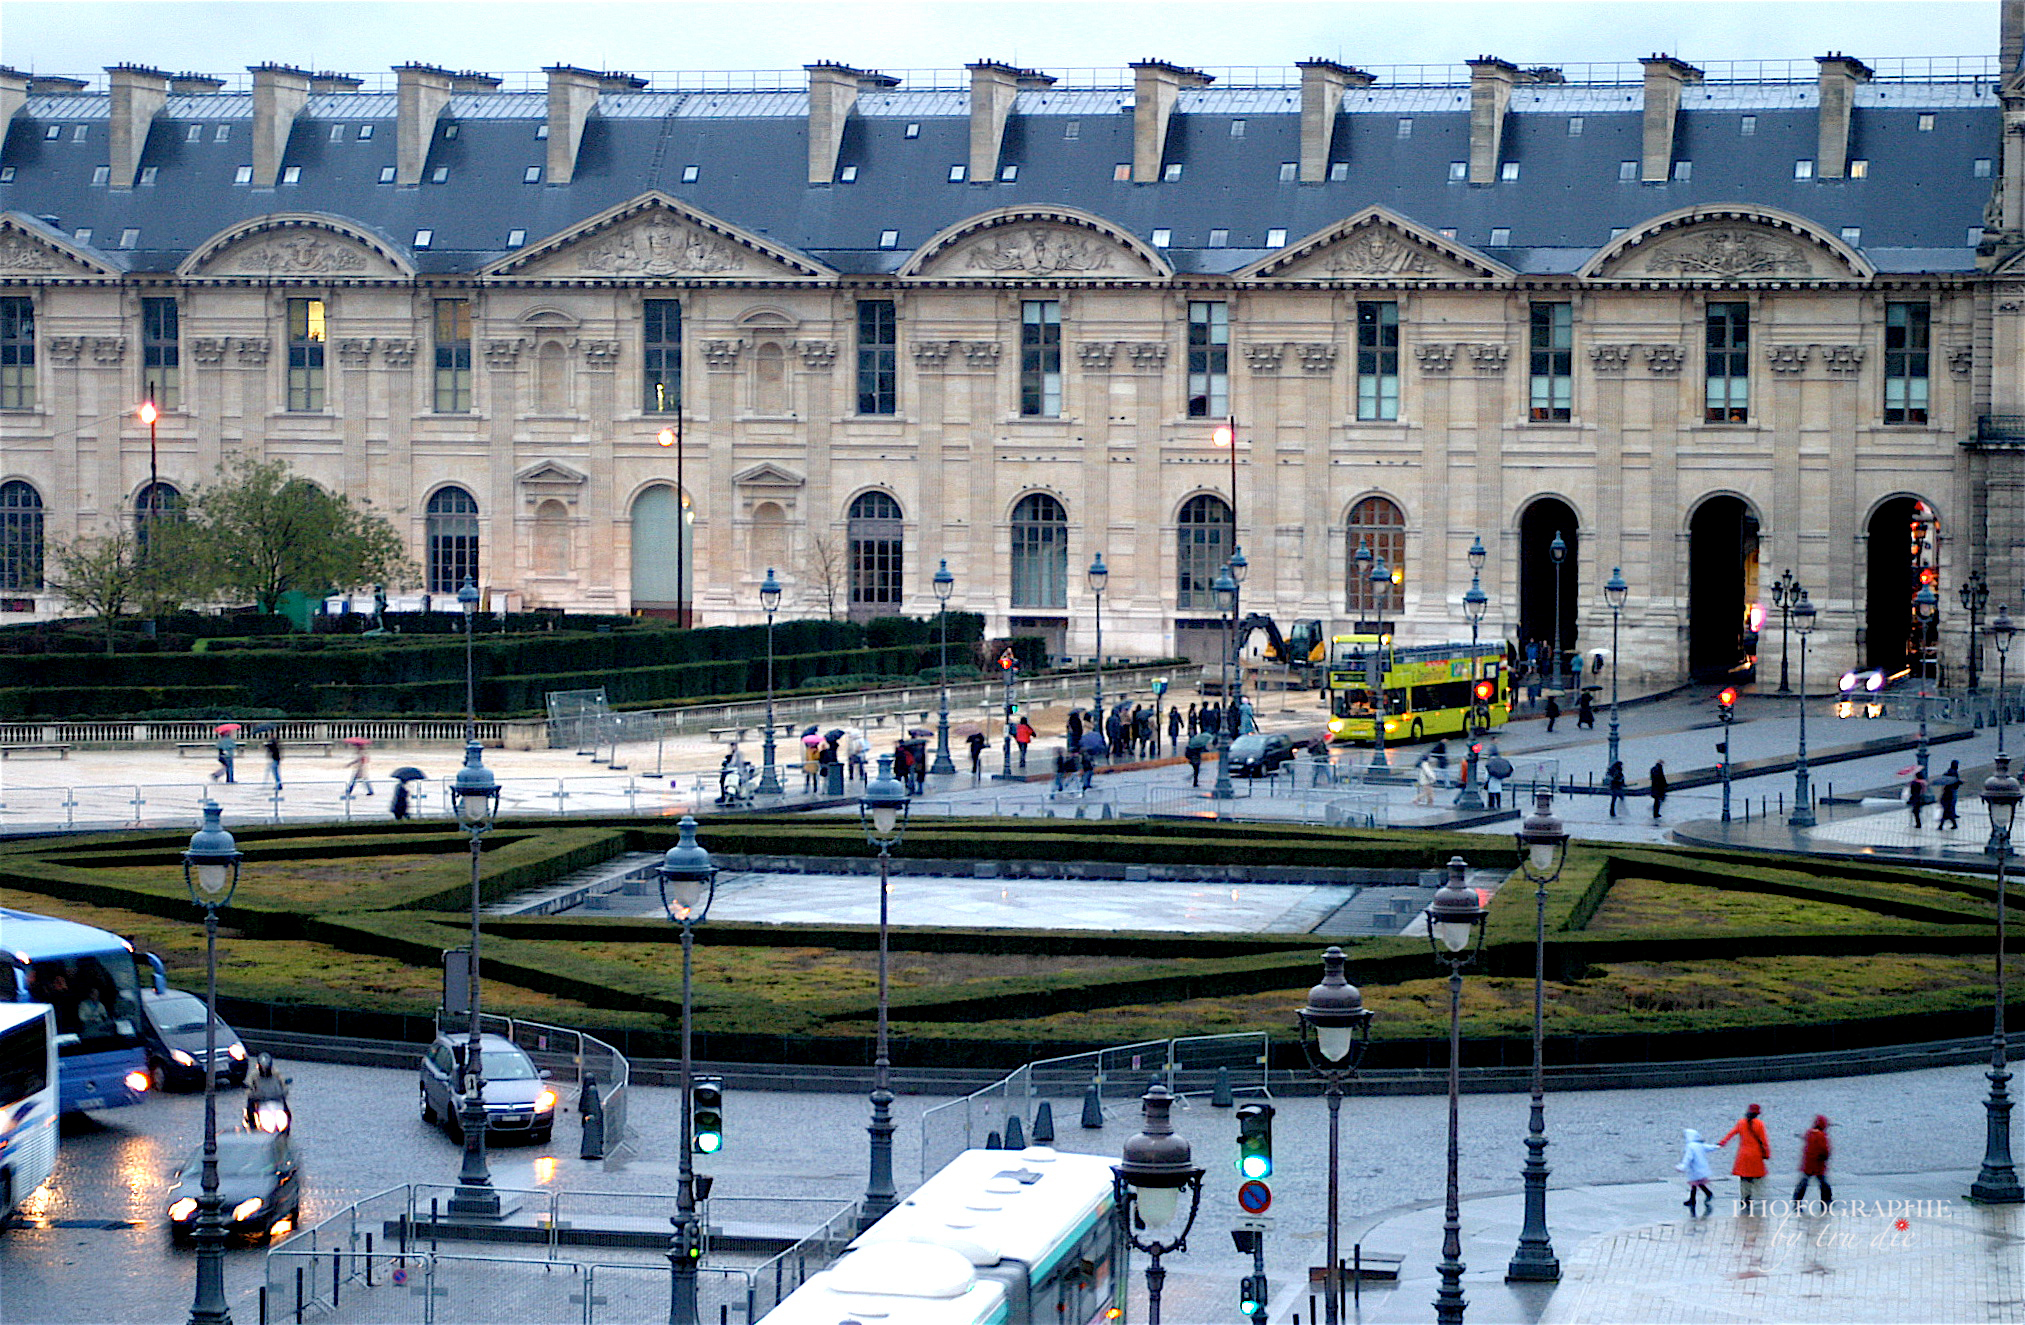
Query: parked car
(519, 1101)
(259, 1186)
(1260, 753)
(172, 1025)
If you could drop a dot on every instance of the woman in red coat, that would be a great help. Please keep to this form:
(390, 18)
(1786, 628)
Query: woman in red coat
(1753, 1149)
(1814, 1152)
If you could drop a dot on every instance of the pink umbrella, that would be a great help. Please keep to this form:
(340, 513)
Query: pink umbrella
(223, 728)
(812, 741)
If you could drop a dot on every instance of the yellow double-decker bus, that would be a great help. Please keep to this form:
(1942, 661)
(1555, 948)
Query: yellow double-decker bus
(1428, 689)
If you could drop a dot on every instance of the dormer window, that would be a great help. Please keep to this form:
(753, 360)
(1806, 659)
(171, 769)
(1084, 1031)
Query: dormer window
(889, 239)
(148, 174)
(956, 174)
(424, 238)
(101, 174)
(1276, 237)
(913, 131)
(1508, 171)
(532, 175)
(516, 238)
(1008, 174)
(366, 131)
(689, 173)
(848, 175)
(441, 175)
(386, 174)
(449, 132)
(1172, 173)
(243, 175)
(291, 174)
(1162, 237)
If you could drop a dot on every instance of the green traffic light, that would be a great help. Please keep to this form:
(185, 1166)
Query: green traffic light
(1255, 1140)
(1255, 1166)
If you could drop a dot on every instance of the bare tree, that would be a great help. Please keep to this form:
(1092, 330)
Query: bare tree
(106, 576)
(825, 573)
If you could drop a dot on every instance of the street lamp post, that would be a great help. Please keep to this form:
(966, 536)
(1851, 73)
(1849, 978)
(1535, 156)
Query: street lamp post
(467, 603)
(1100, 578)
(1335, 1032)
(1615, 590)
(1474, 604)
(1543, 849)
(1785, 592)
(1925, 604)
(673, 437)
(211, 873)
(151, 415)
(1976, 600)
(1233, 720)
(1557, 551)
(944, 584)
(1455, 932)
(1997, 1183)
(1226, 591)
(1381, 584)
(769, 601)
(477, 797)
(688, 884)
(883, 812)
(2002, 631)
(1148, 1182)
(1803, 795)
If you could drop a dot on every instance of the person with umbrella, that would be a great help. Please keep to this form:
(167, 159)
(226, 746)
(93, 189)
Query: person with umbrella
(1193, 753)
(358, 766)
(977, 743)
(1497, 769)
(228, 749)
(402, 777)
(812, 763)
(826, 755)
(1093, 745)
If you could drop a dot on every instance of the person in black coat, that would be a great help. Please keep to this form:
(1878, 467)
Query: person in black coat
(1553, 711)
(1585, 711)
(1658, 779)
(1950, 784)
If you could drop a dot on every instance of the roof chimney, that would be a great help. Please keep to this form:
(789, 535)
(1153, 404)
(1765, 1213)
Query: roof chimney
(189, 85)
(279, 94)
(54, 85)
(323, 80)
(572, 96)
(1839, 76)
(611, 81)
(1323, 83)
(2010, 37)
(422, 92)
(1664, 79)
(1155, 85)
(993, 88)
(833, 90)
(13, 96)
(1491, 82)
(137, 95)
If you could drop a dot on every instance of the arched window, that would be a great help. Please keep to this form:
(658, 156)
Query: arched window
(20, 536)
(769, 538)
(1040, 552)
(1378, 524)
(551, 538)
(769, 380)
(156, 501)
(453, 540)
(1203, 545)
(874, 534)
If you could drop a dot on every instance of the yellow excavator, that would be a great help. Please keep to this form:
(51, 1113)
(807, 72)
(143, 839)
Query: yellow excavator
(1302, 650)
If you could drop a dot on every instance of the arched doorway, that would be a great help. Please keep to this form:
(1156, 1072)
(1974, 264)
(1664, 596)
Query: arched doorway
(1889, 634)
(1722, 589)
(1547, 617)
(875, 537)
(452, 538)
(664, 554)
(1378, 524)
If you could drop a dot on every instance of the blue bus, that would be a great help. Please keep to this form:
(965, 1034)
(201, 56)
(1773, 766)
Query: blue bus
(28, 1076)
(87, 977)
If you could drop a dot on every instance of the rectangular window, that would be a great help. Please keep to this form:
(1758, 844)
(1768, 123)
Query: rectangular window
(515, 238)
(1927, 122)
(531, 175)
(1008, 174)
(1859, 169)
(337, 133)
(129, 237)
(1683, 170)
(1574, 126)
(148, 174)
(1073, 129)
(1508, 170)
(243, 175)
(222, 134)
(1219, 239)
(1237, 128)
(306, 339)
(1748, 126)
(1208, 359)
(1289, 171)
(291, 175)
(1852, 234)
(1980, 170)
(365, 132)
(1627, 172)
(1162, 237)
(1339, 171)
(956, 174)
(689, 174)
(889, 239)
(1501, 236)
(103, 174)
(161, 352)
(195, 134)
(1907, 347)
(1405, 128)
(662, 361)
(453, 356)
(1729, 364)
(1458, 171)
(1377, 360)
(848, 175)
(878, 357)
(1041, 358)
(1121, 173)
(440, 175)
(1803, 169)
(386, 175)
(1553, 363)
(1172, 173)
(1276, 237)
(17, 352)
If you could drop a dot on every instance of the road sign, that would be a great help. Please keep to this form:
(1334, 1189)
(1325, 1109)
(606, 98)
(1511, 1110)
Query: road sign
(1255, 1197)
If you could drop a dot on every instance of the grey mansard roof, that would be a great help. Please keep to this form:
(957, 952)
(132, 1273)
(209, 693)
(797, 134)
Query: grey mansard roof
(1916, 209)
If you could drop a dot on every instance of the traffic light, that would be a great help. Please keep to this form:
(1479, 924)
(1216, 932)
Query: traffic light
(1006, 661)
(1255, 1140)
(1253, 1295)
(706, 1115)
(1726, 703)
(1486, 691)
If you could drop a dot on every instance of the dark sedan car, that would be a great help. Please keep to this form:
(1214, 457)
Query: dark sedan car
(172, 1023)
(259, 1186)
(519, 1101)
(1260, 753)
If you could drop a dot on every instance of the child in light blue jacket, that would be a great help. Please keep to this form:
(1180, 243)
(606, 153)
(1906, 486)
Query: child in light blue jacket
(1694, 1163)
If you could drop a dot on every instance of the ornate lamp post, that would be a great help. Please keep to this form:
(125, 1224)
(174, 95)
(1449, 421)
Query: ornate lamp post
(1455, 931)
(1976, 600)
(1803, 796)
(1785, 592)
(1615, 591)
(1233, 718)
(1100, 578)
(1997, 1183)
(1148, 1182)
(769, 602)
(1381, 583)
(1226, 590)
(688, 884)
(477, 797)
(1558, 552)
(1335, 1032)
(211, 873)
(1474, 604)
(1926, 603)
(2002, 631)
(883, 812)
(467, 603)
(673, 437)
(1543, 849)
(945, 584)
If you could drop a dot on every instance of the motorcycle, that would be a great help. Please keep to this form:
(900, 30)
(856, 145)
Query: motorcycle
(267, 1098)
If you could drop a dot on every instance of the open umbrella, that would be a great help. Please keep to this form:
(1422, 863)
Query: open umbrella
(263, 729)
(834, 734)
(359, 741)
(1202, 740)
(226, 728)
(408, 773)
(1092, 743)
(812, 740)
(919, 731)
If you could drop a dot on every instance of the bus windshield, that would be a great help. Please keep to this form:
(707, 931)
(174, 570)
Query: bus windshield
(96, 996)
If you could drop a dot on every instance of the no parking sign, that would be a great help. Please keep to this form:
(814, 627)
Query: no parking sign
(1255, 1197)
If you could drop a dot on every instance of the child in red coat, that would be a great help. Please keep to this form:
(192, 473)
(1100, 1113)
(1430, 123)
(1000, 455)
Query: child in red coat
(1814, 1152)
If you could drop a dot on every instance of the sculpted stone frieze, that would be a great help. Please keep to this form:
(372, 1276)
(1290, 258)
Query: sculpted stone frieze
(981, 354)
(1610, 358)
(658, 246)
(601, 353)
(208, 350)
(1435, 357)
(1664, 360)
(817, 355)
(503, 354)
(1038, 250)
(251, 350)
(1265, 358)
(108, 349)
(355, 351)
(19, 253)
(1148, 355)
(296, 255)
(1788, 358)
(1376, 251)
(1096, 355)
(722, 355)
(1729, 252)
(1490, 358)
(932, 353)
(65, 349)
(399, 352)
(1316, 356)
(1842, 360)
(1962, 360)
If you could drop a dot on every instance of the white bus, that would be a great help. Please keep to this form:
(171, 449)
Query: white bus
(28, 1103)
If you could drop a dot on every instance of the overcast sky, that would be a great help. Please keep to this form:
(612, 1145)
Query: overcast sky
(81, 37)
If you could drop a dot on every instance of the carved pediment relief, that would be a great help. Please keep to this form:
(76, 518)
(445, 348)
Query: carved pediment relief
(29, 249)
(1728, 245)
(1377, 245)
(767, 475)
(1043, 245)
(655, 237)
(551, 479)
(301, 246)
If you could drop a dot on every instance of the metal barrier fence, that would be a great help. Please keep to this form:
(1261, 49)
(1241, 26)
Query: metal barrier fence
(190, 733)
(1113, 1076)
(583, 1056)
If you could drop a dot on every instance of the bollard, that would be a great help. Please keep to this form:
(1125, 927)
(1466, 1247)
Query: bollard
(298, 1295)
(263, 1304)
(1093, 1107)
(1220, 1096)
(1044, 1123)
(336, 1272)
(591, 1104)
(993, 1142)
(369, 1257)
(1015, 1133)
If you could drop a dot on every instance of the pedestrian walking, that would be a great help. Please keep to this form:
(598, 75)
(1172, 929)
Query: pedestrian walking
(826, 761)
(1497, 768)
(1322, 775)
(1065, 764)
(1753, 1149)
(274, 758)
(860, 749)
(1694, 1165)
(1656, 775)
(1174, 726)
(1553, 712)
(1075, 729)
(1614, 780)
(1585, 711)
(903, 765)
(1194, 720)
(1247, 722)
(1533, 683)
(1194, 757)
(1950, 784)
(228, 750)
(977, 744)
(1023, 735)
(1814, 1152)
(1424, 780)
(1088, 763)
(358, 771)
(1916, 795)
(400, 800)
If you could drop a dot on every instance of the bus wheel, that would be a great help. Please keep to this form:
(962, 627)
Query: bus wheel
(1415, 734)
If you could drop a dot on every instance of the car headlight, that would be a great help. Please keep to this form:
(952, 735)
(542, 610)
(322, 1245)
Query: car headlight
(237, 1052)
(183, 1209)
(249, 1207)
(137, 1082)
(545, 1102)
(1337, 724)
(182, 1058)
